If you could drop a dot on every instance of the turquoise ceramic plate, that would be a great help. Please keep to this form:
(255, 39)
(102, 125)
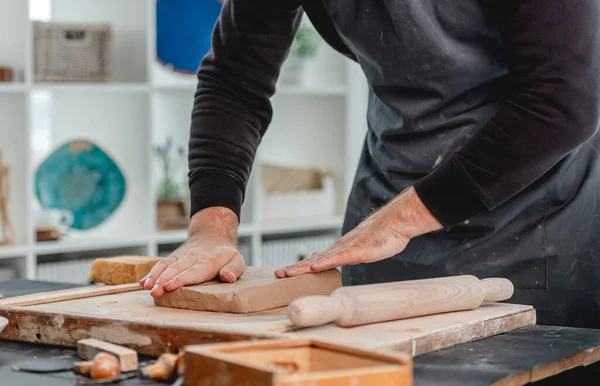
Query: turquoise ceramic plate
(183, 32)
(83, 179)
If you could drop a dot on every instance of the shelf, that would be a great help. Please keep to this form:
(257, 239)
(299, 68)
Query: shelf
(12, 251)
(189, 87)
(171, 237)
(92, 87)
(144, 87)
(297, 225)
(309, 90)
(281, 90)
(82, 243)
(179, 236)
(9, 88)
(15, 88)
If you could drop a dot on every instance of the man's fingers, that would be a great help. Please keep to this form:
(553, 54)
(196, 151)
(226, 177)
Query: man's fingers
(203, 271)
(303, 266)
(334, 259)
(148, 281)
(172, 270)
(282, 272)
(233, 270)
(198, 273)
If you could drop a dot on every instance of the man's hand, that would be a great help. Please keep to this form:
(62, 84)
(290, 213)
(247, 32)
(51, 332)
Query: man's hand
(210, 251)
(382, 235)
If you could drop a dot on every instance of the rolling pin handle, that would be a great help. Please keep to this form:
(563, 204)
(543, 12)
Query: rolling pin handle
(497, 290)
(315, 310)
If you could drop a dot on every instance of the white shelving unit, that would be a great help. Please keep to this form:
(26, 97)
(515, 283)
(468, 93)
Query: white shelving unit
(321, 123)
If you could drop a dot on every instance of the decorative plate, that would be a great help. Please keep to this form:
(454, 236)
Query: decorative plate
(83, 179)
(183, 32)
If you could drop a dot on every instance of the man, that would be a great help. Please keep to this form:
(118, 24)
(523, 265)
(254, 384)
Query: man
(481, 155)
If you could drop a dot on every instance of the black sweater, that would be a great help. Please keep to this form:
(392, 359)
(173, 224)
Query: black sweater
(552, 53)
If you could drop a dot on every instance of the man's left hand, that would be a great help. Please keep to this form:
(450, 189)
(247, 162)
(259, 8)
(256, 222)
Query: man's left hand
(382, 235)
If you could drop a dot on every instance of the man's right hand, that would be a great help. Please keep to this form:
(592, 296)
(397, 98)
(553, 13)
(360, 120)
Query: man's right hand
(210, 251)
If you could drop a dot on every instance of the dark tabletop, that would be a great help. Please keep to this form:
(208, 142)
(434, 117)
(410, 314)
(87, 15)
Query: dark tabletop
(479, 363)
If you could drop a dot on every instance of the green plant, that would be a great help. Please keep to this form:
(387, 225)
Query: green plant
(305, 42)
(169, 189)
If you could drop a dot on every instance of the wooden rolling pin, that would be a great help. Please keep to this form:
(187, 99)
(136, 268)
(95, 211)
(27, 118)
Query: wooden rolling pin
(374, 303)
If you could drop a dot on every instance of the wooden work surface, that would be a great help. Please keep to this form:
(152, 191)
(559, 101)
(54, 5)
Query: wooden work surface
(130, 318)
(508, 359)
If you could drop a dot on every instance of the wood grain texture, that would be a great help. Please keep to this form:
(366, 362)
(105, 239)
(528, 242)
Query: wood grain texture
(132, 320)
(258, 289)
(374, 303)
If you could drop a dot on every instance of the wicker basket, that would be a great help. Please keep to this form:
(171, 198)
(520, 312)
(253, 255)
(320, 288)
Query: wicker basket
(72, 52)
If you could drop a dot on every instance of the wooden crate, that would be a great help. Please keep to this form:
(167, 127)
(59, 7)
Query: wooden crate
(293, 362)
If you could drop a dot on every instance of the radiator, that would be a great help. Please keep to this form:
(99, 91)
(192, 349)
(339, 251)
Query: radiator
(68, 271)
(283, 252)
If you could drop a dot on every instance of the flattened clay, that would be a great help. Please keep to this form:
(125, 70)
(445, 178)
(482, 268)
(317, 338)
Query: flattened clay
(258, 289)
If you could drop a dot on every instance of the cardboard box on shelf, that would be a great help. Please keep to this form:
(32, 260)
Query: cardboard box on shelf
(296, 192)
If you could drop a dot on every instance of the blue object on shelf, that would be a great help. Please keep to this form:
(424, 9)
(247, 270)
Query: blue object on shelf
(183, 32)
(83, 179)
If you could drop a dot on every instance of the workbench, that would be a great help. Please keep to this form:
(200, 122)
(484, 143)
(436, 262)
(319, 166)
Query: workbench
(513, 356)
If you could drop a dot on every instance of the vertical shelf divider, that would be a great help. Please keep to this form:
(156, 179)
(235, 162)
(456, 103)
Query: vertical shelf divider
(31, 257)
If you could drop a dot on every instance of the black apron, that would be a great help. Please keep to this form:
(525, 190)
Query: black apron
(435, 70)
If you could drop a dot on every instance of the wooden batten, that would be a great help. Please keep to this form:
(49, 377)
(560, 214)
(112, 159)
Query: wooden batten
(68, 294)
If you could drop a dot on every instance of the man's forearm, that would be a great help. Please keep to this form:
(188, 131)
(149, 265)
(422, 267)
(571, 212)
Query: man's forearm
(412, 216)
(215, 221)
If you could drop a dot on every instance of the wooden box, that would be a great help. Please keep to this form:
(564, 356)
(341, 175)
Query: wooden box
(292, 363)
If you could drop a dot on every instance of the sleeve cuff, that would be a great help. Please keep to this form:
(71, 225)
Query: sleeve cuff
(449, 195)
(215, 189)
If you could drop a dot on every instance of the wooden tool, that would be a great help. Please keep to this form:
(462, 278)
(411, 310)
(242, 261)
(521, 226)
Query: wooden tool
(374, 303)
(104, 366)
(258, 289)
(166, 368)
(293, 362)
(88, 348)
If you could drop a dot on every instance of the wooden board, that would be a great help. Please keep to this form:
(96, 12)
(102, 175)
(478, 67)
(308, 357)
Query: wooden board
(131, 319)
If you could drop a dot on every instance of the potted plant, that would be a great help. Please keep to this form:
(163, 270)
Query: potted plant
(304, 48)
(171, 210)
